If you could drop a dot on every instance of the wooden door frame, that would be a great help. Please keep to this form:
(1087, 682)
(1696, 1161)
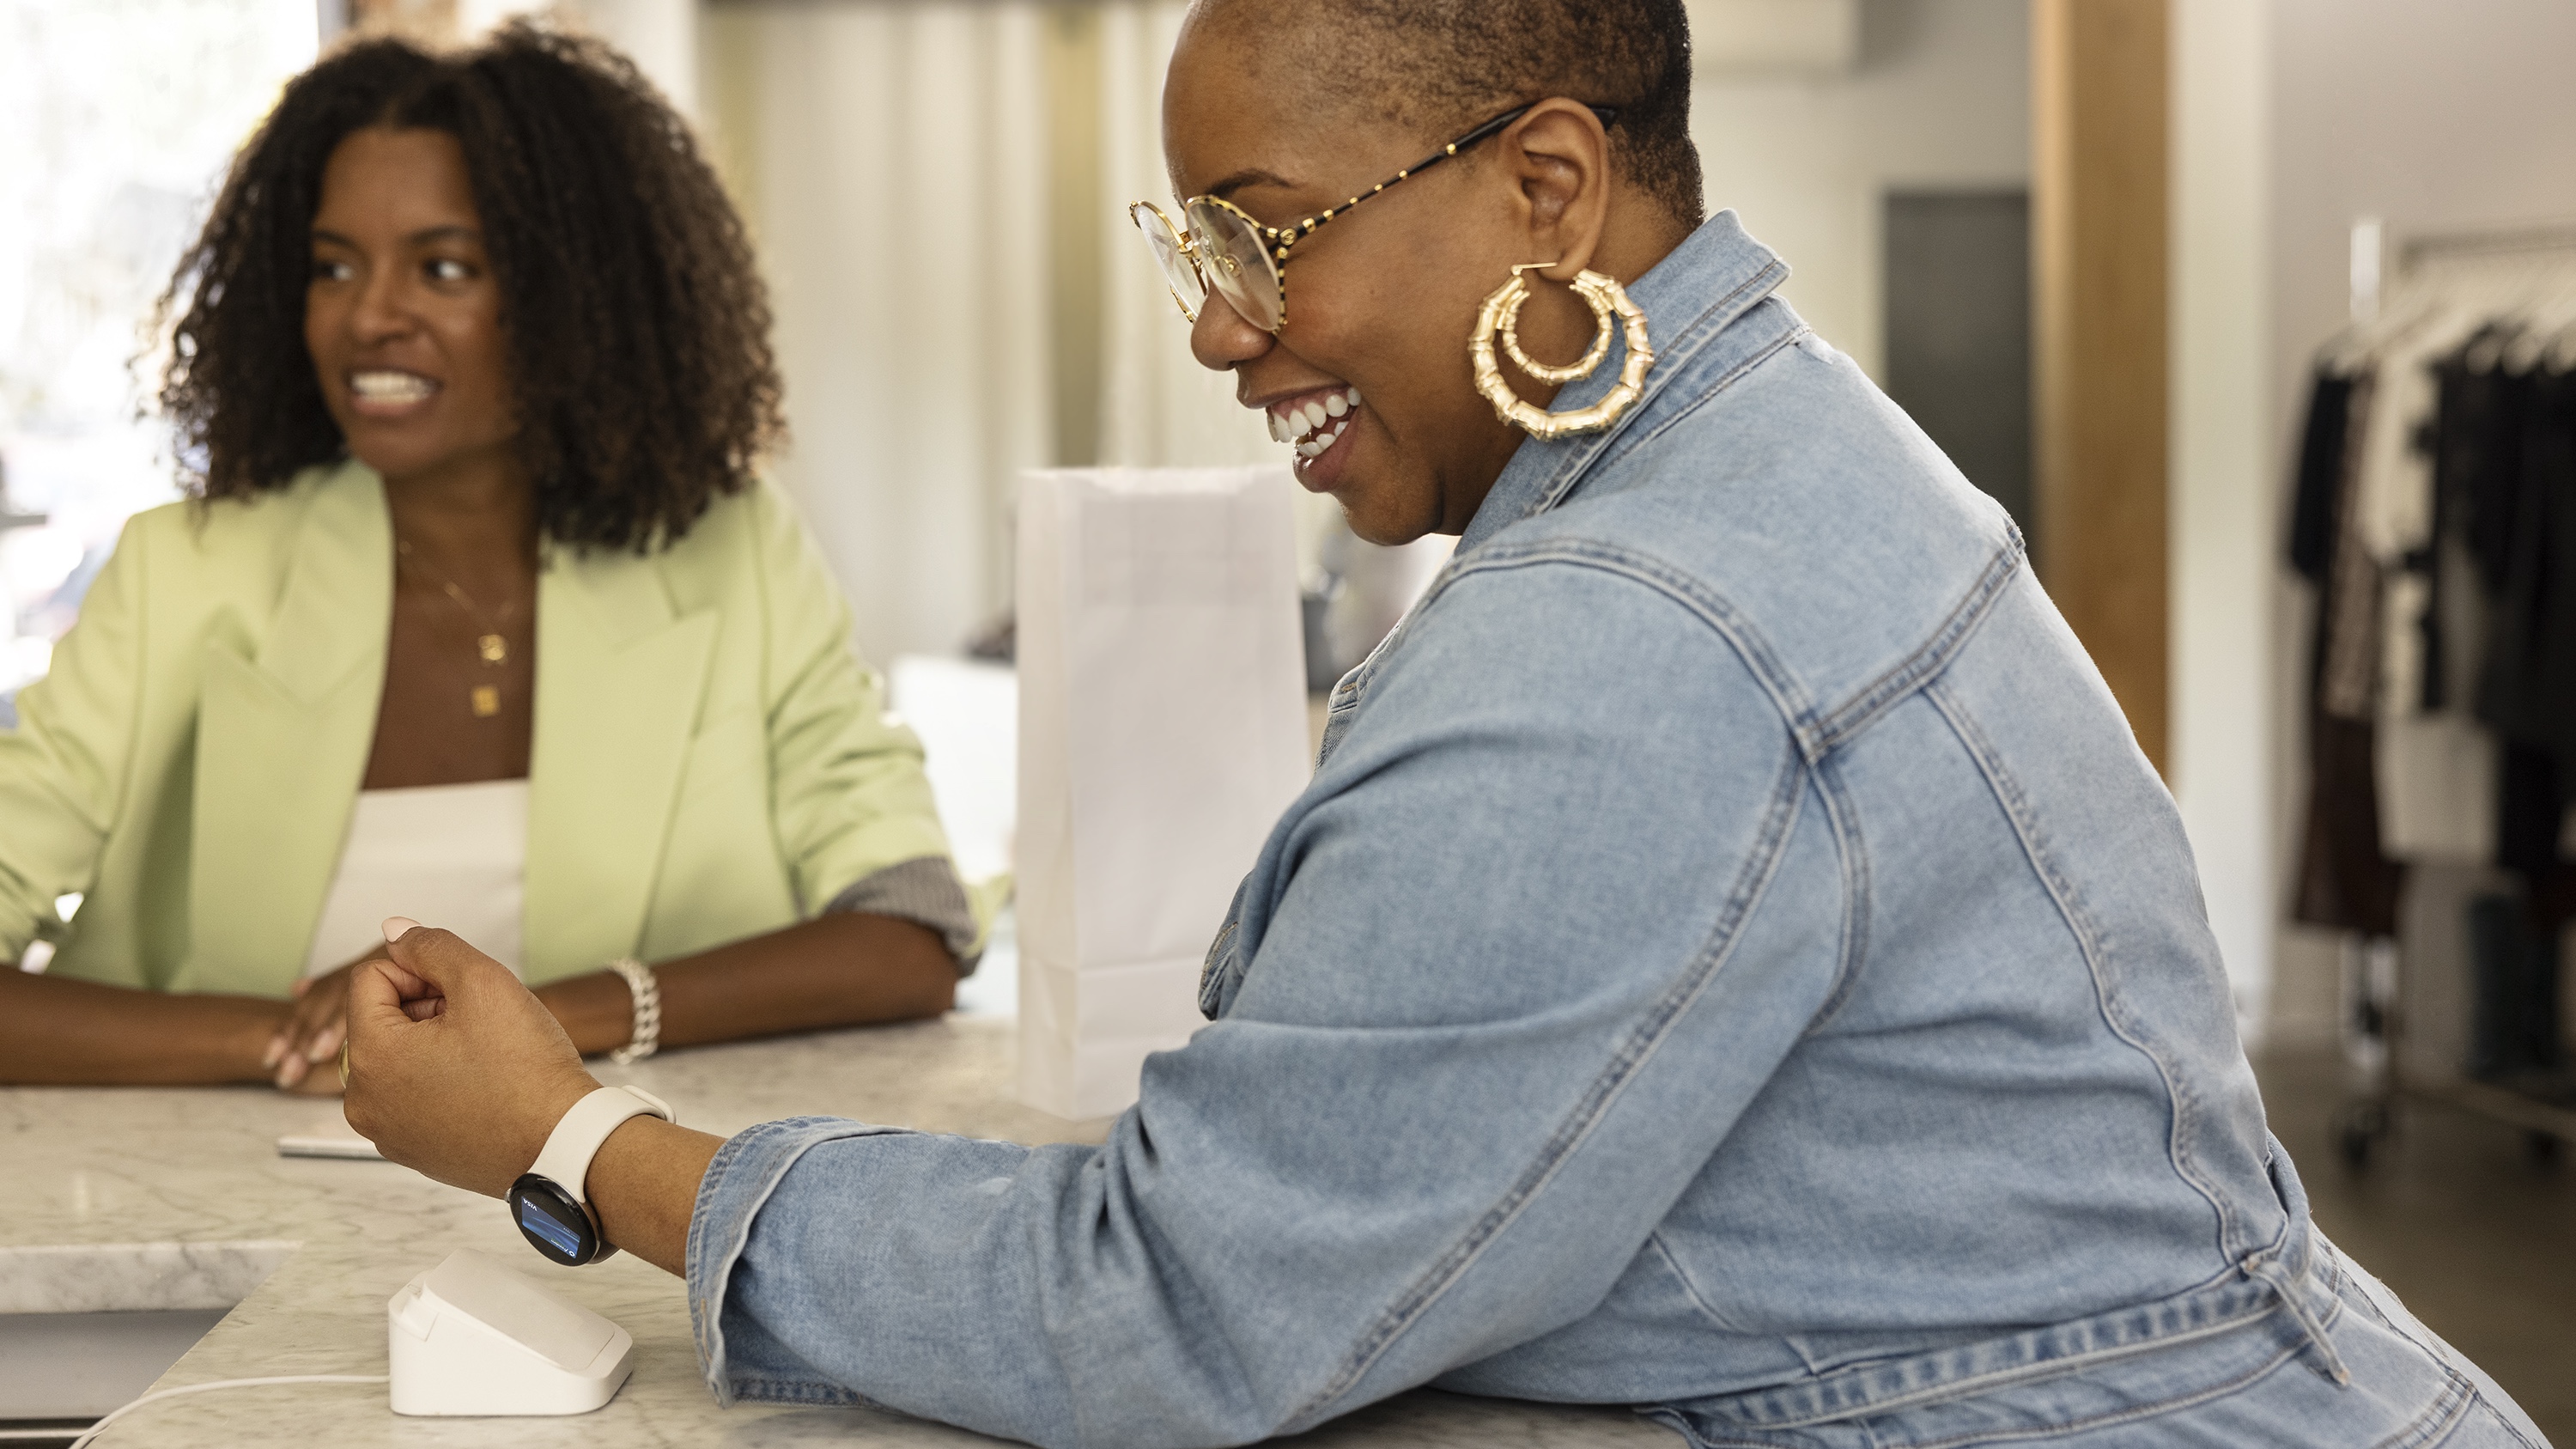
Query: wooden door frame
(2099, 247)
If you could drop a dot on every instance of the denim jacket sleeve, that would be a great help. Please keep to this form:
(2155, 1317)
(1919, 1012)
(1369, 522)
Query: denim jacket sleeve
(1513, 968)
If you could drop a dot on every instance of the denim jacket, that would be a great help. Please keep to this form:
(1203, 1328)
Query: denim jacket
(1732, 957)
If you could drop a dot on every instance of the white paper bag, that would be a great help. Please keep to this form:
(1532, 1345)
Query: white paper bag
(1162, 731)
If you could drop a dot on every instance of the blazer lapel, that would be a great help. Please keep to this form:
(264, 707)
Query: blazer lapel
(619, 682)
(282, 742)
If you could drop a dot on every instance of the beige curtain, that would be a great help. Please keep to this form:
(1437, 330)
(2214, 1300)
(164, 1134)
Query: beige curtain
(885, 156)
(939, 194)
(1159, 407)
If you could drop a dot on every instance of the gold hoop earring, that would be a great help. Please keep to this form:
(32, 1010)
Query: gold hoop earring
(1501, 314)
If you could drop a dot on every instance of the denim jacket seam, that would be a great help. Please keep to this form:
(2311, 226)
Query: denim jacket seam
(1343, 703)
(2133, 1414)
(1690, 1286)
(1842, 817)
(1838, 1399)
(769, 1389)
(1683, 349)
(2095, 948)
(1787, 693)
(1637, 1046)
(1690, 407)
(1679, 404)
(1216, 963)
(1842, 726)
(1926, 660)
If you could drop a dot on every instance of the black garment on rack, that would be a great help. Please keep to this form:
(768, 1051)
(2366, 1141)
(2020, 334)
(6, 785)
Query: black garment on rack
(2477, 454)
(2345, 880)
(2529, 693)
(2471, 508)
(2313, 499)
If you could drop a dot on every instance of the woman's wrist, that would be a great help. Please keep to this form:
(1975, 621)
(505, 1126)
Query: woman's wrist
(644, 1187)
(246, 1036)
(212, 1039)
(596, 1010)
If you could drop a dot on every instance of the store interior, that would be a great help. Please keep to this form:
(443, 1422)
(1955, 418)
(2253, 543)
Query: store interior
(2129, 354)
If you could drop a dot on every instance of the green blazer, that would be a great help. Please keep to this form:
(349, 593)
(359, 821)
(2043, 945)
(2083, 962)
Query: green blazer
(710, 761)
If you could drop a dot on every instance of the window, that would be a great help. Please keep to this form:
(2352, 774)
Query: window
(120, 117)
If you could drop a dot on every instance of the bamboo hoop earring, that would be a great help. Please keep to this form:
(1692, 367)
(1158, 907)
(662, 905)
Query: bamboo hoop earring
(1501, 314)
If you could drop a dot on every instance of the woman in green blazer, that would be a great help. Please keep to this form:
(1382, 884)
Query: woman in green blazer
(489, 517)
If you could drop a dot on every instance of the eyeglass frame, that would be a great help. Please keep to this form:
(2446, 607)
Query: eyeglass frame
(1278, 240)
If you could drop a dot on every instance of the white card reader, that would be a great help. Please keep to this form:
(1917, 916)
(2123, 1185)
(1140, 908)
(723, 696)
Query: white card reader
(473, 1337)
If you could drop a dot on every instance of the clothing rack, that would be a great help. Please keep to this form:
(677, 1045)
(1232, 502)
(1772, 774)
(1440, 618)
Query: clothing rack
(2556, 238)
(2370, 249)
(2373, 968)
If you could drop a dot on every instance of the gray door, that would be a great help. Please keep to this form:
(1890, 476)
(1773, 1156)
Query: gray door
(1958, 331)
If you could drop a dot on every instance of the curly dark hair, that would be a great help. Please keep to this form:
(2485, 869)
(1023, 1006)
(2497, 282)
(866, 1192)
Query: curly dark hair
(637, 325)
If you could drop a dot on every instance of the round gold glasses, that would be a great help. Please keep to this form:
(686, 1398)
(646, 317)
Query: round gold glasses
(1219, 247)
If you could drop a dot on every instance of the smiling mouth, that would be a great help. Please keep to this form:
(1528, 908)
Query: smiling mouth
(389, 389)
(1313, 423)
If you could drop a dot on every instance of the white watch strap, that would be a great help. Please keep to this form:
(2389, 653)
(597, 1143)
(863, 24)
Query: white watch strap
(565, 1162)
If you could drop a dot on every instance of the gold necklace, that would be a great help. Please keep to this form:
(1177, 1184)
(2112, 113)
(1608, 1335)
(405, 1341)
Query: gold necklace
(492, 645)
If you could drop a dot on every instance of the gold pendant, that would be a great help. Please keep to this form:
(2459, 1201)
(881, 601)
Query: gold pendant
(487, 701)
(495, 648)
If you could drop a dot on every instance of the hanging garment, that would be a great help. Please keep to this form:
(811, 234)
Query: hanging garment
(2530, 694)
(2320, 475)
(2436, 763)
(2349, 614)
(2393, 510)
(2345, 880)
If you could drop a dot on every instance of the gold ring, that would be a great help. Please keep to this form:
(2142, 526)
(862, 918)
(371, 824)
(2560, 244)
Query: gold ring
(344, 1066)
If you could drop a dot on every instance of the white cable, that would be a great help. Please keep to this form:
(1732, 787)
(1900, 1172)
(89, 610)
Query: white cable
(100, 1427)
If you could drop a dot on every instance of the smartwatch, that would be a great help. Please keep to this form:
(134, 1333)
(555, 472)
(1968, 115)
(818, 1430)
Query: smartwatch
(547, 1202)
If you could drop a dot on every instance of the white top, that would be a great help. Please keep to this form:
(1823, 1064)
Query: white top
(451, 856)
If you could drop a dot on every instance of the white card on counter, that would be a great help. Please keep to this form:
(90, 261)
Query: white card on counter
(336, 1145)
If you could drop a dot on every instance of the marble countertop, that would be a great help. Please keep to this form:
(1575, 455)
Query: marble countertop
(178, 1199)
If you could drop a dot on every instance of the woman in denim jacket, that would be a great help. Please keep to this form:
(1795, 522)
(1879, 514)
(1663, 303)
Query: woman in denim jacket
(1732, 960)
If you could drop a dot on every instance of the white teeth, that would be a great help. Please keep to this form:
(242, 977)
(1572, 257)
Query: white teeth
(1273, 418)
(1322, 443)
(390, 386)
(1302, 425)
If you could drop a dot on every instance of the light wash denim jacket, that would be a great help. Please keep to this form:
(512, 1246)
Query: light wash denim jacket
(1732, 959)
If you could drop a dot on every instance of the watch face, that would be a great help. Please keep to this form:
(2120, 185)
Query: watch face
(554, 1224)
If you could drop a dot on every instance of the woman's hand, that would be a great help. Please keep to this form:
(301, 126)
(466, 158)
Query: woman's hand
(455, 1070)
(312, 1032)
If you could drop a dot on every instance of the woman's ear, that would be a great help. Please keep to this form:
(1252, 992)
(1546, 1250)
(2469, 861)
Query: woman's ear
(1560, 158)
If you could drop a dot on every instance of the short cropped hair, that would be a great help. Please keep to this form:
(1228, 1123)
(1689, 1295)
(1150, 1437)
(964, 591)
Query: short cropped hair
(636, 323)
(1444, 65)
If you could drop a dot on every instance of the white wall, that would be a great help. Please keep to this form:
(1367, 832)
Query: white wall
(1940, 97)
(2435, 116)
(2222, 523)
